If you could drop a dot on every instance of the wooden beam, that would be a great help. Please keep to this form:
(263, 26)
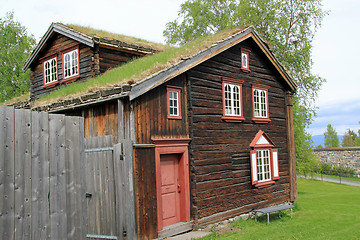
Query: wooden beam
(291, 146)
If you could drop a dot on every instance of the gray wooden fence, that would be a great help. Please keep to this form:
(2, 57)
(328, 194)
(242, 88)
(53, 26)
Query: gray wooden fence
(51, 187)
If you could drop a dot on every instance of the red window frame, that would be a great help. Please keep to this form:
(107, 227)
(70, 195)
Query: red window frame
(75, 77)
(247, 53)
(178, 90)
(52, 84)
(274, 161)
(232, 118)
(260, 119)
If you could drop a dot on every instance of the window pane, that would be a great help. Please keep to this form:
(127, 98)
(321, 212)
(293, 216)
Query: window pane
(260, 104)
(232, 99)
(173, 103)
(71, 64)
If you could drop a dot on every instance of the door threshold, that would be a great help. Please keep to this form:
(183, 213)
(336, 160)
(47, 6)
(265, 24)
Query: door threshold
(175, 229)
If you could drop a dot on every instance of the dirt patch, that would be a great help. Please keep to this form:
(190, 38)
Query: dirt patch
(226, 230)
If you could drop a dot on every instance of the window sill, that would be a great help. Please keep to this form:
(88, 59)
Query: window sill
(247, 70)
(264, 184)
(261, 120)
(70, 79)
(232, 119)
(50, 85)
(175, 117)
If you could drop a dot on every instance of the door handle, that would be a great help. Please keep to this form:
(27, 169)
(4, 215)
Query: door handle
(179, 189)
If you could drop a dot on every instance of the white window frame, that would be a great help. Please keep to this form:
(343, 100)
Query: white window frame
(232, 99)
(245, 59)
(71, 64)
(50, 71)
(263, 162)
(260, 103)
(173, 103)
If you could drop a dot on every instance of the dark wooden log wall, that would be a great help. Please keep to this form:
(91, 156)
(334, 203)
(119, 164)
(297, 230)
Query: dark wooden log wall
(151, 114)
(145, 192)
(55, 45)
(111, 57)
(219, 151)
(101, 120)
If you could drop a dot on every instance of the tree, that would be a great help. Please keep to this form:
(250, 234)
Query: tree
(15, 46)
(331, 137)
(288, 26)
(349, 138)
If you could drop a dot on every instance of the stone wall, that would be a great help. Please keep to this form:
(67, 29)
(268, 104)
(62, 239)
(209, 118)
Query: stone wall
(348, 157)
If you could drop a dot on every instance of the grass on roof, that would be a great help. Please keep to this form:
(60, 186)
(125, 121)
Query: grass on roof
(133, 40)
(135, 70)
(17, 99)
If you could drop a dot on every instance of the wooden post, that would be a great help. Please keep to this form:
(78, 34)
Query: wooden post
(291, 146)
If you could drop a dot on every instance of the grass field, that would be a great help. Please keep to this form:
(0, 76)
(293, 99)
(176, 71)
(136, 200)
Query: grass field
(323, 211)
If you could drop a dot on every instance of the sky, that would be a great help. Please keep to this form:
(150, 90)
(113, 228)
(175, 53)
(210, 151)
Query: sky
(335, 49)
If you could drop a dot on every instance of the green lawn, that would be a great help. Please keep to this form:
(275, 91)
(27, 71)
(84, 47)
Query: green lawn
(323, 211)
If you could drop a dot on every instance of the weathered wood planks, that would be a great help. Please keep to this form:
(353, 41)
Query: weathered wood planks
(40, 175)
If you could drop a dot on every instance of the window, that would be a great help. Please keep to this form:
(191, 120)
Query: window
(50, 71)
(173, 102)
(264, 161)
(232, 102)
(260, 104)
(71, 65)
(245, 65)
(263, 165)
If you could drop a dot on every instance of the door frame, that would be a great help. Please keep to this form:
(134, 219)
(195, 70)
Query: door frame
(173, 146)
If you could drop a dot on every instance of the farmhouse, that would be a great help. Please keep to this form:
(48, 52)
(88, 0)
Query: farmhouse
(211, 128)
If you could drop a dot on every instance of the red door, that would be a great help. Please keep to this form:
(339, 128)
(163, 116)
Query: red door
(170, 188)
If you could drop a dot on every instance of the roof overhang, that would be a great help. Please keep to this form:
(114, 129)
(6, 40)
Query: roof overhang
(163, 76)
(57, 28)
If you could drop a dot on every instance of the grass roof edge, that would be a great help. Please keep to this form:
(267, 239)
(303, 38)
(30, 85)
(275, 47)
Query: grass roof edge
(88, 30)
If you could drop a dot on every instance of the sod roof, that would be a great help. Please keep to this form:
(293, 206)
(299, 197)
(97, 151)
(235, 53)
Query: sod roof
(144, 74)
(90, 36)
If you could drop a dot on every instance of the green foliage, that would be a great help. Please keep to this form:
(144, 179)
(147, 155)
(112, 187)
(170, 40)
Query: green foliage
(15, 47)
(326, 168)
(331, 138)
(306, 160)
(288, 26)
(319, 146)
(349, 138)
(323, 211)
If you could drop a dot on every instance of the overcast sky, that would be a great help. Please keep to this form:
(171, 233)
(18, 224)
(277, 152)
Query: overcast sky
(335, 51)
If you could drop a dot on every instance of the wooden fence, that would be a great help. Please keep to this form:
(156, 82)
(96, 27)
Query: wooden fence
(51, 187)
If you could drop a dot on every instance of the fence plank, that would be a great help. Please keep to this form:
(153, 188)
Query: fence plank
(57, 176)
(7, 173)
(74, 195)
(40, 176)
(22, 174)
(119, 190)
(130, 195)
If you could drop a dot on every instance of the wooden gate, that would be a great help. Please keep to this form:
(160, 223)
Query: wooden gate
(109, 210)
(100, 189)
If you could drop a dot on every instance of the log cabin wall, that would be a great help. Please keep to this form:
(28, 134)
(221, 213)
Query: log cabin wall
(220, 151)
(151, 121)
(112, 57)
(101, 120)
(151, 114)
(54, 46)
